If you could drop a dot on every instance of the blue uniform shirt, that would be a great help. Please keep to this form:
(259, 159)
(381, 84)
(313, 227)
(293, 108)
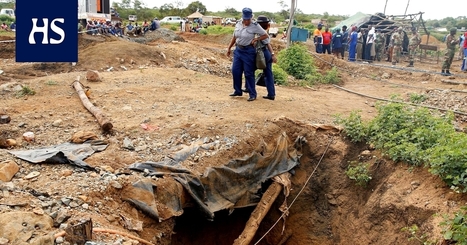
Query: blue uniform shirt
(246, 34)
(337, 40)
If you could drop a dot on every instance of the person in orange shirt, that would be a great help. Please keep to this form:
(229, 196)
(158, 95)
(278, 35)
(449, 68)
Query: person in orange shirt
(318, 39)
(327, 37)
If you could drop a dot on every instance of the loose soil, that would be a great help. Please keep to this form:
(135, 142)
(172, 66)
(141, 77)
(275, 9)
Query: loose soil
(181, 89)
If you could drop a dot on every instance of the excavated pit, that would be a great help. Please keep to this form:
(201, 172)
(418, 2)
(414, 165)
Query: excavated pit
(331, 209)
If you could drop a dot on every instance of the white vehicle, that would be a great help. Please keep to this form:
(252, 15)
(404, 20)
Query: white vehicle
(171, 20)
(230, 21)
(9, 12)
(273, 31)
(132, 18)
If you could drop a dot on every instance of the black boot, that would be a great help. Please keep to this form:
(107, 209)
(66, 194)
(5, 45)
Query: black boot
(448, 73)
(410, 64)
(443, 73)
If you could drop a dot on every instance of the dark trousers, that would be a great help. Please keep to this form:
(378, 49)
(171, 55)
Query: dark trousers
(244, 62)
(327, 47)
(367, 56)
(344, 48)
(269, 77)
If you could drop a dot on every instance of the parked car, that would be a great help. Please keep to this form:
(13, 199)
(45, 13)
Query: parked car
(9, 12)
(132, 18)
(230, 21)
(171, 20)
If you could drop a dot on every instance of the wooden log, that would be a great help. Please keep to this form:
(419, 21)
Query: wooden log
(259, 213)
(453, 82)
(103, 121)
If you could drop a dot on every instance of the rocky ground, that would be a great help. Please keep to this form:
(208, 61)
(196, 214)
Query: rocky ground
(168, 91)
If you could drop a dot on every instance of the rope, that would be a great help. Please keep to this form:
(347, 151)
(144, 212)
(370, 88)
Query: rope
(300, 192)
(394, 101)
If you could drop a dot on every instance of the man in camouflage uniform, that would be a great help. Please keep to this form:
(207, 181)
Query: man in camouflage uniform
(396, 40)
(451, 43)
(380, 43)
(414, 41)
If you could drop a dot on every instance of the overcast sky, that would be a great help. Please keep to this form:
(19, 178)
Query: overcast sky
(432, 9)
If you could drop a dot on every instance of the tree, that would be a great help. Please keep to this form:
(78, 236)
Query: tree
(125, 4)
(166, 9)
(285, 10)
(232, 11)
(138, 5)
(178, 8)
(196, 5)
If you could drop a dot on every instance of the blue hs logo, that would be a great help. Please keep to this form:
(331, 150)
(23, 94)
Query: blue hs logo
(46, 31)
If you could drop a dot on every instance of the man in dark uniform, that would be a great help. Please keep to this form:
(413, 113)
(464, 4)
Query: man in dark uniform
(244, 60)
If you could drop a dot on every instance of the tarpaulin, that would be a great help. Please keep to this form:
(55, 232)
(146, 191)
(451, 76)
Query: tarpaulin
(298, 34)
(68, 153)
(233, 185)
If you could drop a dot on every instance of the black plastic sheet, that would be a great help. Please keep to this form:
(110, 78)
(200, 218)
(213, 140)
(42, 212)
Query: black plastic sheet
(66, 153)
(230, 186)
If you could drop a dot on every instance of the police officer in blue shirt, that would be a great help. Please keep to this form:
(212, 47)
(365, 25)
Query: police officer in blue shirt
(245, 36)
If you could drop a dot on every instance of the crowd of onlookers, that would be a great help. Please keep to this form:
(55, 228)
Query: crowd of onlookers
(101, 27)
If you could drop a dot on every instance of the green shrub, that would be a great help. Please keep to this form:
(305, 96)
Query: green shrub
(354, 127)
(25, 90)
(455, 229)
(416, 136)
(416, 235)
(360, 172)
(174, 27)
(280, 76)
(417, 98)
(6, 18)
(331, 76)
(203, 31)
(310, 27)
(296, 61)
(218, 30)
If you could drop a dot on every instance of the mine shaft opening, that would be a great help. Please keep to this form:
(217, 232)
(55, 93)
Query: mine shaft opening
(193, 228)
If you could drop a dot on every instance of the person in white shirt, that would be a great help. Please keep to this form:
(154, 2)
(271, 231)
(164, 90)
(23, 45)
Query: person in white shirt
(369, 45)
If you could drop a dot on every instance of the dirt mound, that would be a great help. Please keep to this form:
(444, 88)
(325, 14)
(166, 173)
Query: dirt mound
(159, 35)
(7, 48)
(432, 41)
(118, 54)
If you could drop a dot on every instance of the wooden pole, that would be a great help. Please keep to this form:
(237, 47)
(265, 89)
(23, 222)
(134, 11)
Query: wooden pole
(291, 19)
(406, 8)
(103, 121)
(258, 214)
(385, 5)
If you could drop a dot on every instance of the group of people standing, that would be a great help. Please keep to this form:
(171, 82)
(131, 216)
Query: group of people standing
(246, 36)
(335, 43)
(365, 45)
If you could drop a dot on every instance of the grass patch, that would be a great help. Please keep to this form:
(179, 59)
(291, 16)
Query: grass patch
(26, 90)
(219, 30)
(7, 33)
(51, 83)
